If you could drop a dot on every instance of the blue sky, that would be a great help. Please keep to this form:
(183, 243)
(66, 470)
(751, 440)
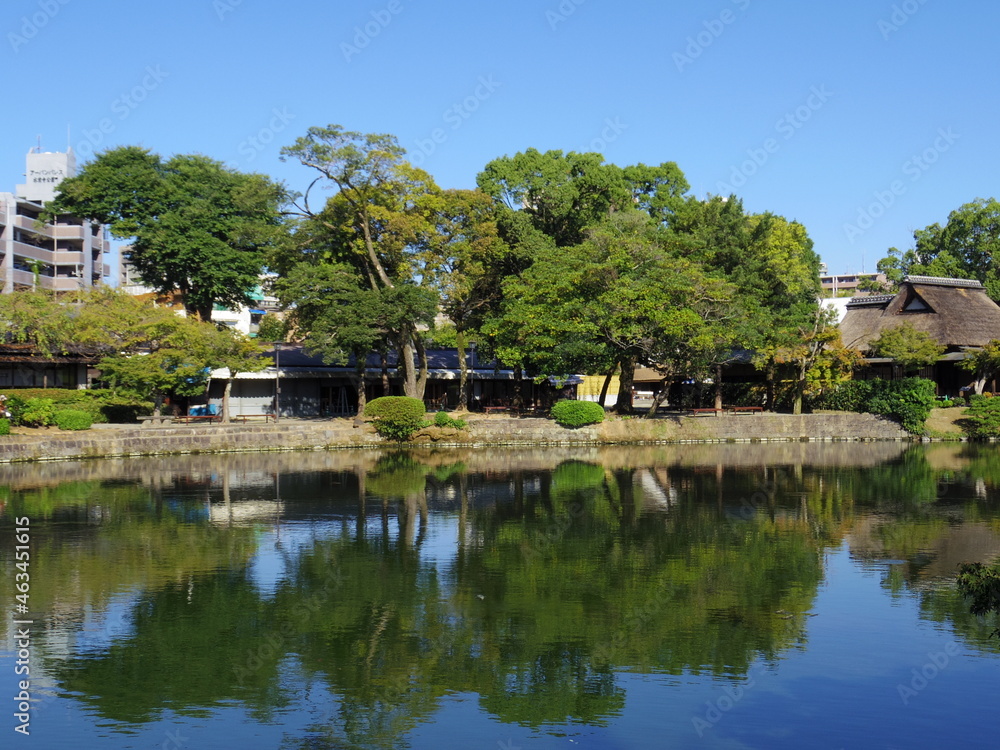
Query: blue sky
(862, 120)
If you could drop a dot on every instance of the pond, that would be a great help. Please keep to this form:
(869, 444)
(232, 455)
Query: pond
(727, 596)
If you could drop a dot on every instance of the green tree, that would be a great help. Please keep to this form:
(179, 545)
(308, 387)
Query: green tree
(565, 194)
(814, 353)
(464, 253)
(772, 265)
(195, 226)
(378, 221)
(907, 347)
(985, 363)
(966, 247)
(620, 298)
(156, 353)
(36, 319)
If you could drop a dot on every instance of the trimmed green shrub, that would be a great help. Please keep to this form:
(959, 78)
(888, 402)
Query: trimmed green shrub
(396, 417)
(577, 413)
(38, 412)
(16, 406)
(442, 419)
(908, 401)
(4, 426)
(72, 419)
(982, 417)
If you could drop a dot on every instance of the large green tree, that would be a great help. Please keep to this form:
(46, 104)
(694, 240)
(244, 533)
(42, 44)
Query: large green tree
(464, 258)
(619, 299)
(378, 221)
(194, 225)
(563, 194)
(966, 247)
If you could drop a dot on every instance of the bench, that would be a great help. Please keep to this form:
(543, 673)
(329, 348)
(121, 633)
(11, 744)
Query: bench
(148, 419)
(251, 417)
(751, 409)
(197, 418)
(492, 409)
(707, 410)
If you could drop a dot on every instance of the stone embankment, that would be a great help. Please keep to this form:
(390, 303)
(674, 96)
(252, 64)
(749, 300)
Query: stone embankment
(126, 440)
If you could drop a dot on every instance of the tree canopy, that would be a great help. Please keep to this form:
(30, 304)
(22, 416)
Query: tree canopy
(195, 226)
(966, 247)
(907, 347)
(377, 222)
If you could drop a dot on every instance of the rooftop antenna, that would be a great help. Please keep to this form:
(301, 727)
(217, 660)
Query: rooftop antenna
(39, 147)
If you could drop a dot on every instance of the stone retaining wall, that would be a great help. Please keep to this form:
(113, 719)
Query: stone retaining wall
(109, 440)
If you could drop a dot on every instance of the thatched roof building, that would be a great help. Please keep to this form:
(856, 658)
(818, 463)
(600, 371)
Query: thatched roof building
(956, 312)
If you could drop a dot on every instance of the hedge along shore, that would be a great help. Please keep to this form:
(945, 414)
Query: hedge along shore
(111, 441)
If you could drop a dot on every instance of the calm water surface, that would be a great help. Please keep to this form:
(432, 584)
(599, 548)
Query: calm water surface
(745, 596)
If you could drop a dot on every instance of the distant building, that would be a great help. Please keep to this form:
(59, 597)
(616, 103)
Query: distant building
(246, 320)
(65, 255)
(845, 284)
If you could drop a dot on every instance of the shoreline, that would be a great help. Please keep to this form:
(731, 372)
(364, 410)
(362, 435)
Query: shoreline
(120, 441)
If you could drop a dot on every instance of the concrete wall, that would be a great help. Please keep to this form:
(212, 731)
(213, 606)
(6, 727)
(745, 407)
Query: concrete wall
(117, 440)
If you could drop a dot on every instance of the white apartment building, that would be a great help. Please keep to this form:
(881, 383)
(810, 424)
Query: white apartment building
(66, 255)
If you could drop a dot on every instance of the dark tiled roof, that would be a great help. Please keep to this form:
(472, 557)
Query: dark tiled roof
(942, 281)
(294, 355)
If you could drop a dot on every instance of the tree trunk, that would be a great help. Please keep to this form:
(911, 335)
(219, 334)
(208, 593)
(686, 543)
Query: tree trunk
(424, 367)
(769, 396)
(408, 368)
(661, 395)
(225, 400)
(800, 389)
(360, 367)
(627, 378)
(386, 388)
(718, 386)
(518, 401)
(606, 385)
(463, 371)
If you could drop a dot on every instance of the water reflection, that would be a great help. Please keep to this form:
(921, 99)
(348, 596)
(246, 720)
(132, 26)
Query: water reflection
(376, 587)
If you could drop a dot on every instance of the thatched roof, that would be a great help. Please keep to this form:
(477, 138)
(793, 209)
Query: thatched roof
(956, 312)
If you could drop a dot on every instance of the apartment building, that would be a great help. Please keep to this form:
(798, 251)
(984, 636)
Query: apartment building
(61, 256)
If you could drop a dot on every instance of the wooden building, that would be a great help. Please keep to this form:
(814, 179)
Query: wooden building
(957, 313)
(21, 366)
